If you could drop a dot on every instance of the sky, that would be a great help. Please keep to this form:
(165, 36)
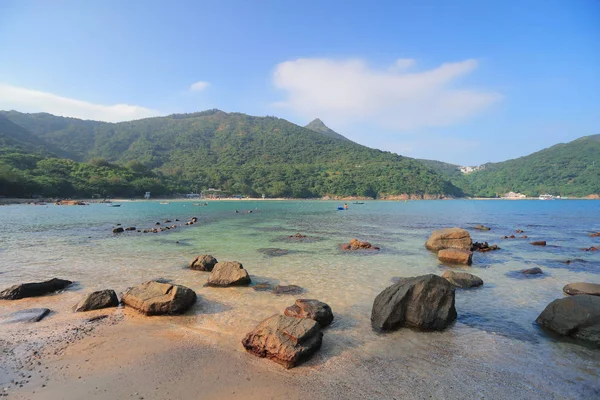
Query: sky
(465, 82)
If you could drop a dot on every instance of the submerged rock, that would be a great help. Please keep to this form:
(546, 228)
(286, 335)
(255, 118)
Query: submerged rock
(263, 287)
(156, 298)
(577, 288)
(203, 262)
(532, 271)
(34, 289)
(285, 340)
(118, 230)
(273, 252)
(450, 238)
(288, 289)
(312, 309)
(462, 279)
(228, 273)
(539, 243)
(423, 302)
(591, 249)
(484, 247)
(455, 256)
(482, 227)
(97, 300)
(575, 316)
(356, 244)
(131, 228)
(29, 315)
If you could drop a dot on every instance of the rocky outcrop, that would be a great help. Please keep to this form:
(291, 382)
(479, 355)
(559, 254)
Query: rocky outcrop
(29, 315)
(312, 309)
(203, 262)
(462, 279)
(423, 302)
(577, 288)
(285, 340)
(156, 298)
(532, 271)
(450, 238)
(98, 300)
(228, 273)
(539, 243)
(484, 247)
(356, 244)
(34, 289)
(575, 316)
(455, 256)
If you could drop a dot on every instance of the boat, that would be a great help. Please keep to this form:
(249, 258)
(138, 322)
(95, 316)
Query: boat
(546, 197)
(164, 202)
(113, 205)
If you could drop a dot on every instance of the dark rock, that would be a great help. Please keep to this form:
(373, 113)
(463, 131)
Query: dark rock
(578, 288)
(539, 243)
(194, 219)
(118, 230)
(203, 262)
(131, 228)
(532, 271)
(484, 247)
(263, 287)
(520, 231)
(462, 279)
(228, 273)
(424, 302)
(288, 289)
(298, 236)
(158, 223)
(97, 300)
(312, 309)
(168, 221)
(591, 249)
(455, 256)
(34, 289)
(575, 316)
(29, 315)
(284, 339)
(450, 238)
(155, 298)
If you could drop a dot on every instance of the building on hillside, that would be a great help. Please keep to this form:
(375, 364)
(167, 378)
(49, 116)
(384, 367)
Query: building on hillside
(469, 169)
(513, 195)
(192, 196)
(147, 196)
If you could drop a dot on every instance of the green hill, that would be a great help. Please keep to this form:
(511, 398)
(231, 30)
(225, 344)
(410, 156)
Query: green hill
(318, 126)
(237, 153)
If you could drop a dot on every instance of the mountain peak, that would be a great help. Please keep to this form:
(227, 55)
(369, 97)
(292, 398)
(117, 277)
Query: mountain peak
(316, 125)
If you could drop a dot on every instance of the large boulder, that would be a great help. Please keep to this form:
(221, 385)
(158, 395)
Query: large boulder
(449, 238)
(203, 262)
(424, 302)
(97, 300)
(285, 340)
(575, 316)
(582, 288)
(454, 256)
(156, 298)
(312, 309)
(228, 273)
(34, 289)
(462, 279)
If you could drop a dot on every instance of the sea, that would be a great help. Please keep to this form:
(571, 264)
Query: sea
(495, 335)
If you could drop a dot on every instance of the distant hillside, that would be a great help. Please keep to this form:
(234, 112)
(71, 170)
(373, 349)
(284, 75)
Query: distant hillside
(238, 153)
(567, 169)
(446, 169)
(15, 138)
(317, 125)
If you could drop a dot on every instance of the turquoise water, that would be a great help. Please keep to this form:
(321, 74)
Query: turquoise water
(496, 322)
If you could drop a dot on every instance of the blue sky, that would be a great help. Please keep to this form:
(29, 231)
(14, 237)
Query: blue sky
(459, 81)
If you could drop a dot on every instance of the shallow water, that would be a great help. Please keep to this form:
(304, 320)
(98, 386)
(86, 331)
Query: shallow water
(495, 327)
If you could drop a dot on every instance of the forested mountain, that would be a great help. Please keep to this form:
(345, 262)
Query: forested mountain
(318, 126)
(231, 151)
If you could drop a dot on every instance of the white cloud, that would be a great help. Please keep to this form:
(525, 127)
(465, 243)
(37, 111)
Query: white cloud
(345, 92)
(27, 100)
(199, 86)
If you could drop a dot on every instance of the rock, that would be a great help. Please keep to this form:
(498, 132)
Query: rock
(424, 302)
(575, 316)
(539, 243)
(450, 238)
(356, 244)
(346, 247)
(263, 287)
(203, 262)
(484, 247)
(596, 234)
(288, 289)
(228, 273)
(462, 279)
(29, 315)
(131, 228)
(298, 236)
(158, 223)
(454, 256)
(591, 249)
(34, 289)
(520, 231)
(532, 271)
(273, 252)
(97, 300)
(194, 220)
(482, 227)
(577, 288)
(156, 298)
(168, 221)
(118, 230)
(284, 339)
(312, 309)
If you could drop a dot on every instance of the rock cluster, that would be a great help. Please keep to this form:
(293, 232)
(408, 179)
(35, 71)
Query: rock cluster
(484, 247)
(356, 244)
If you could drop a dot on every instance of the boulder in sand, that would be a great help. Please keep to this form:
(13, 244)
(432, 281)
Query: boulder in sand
(575, 316)
(312, 309)
(97, 300)
(285, 340)
(423, 302)
(576, 288)
(156, 298)
(455, 256)
(228, 273)
(462, 279)
(450, 238)
(34, 289)
(203, 262)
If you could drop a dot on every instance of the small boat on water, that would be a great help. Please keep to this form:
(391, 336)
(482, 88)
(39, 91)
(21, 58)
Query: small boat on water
(546, 197)
(164, 202)
(113, 205)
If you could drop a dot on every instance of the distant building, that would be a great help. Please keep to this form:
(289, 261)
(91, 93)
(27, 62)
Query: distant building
(147, 195)
(513, 195)
(192, 196)
(469, 169)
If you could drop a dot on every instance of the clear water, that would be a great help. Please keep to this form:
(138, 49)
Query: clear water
(495, 324)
